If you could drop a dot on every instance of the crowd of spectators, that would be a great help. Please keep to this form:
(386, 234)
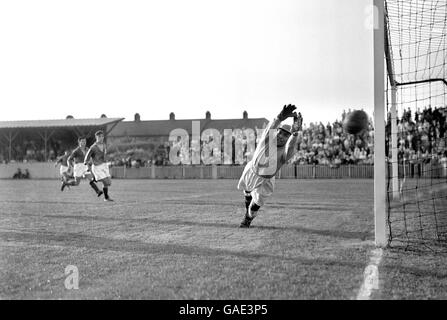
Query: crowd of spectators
(320, 145)
(421, 136)
(30, 150)
(330, 145)
(140, 157)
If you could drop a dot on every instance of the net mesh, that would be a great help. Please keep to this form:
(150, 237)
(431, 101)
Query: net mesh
(416, 52)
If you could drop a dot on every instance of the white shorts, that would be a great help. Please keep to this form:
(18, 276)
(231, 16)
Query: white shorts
(101, 171)
(63, 169)
(79, 170)
(260, 188)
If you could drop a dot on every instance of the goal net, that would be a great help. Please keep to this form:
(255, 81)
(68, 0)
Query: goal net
(416, 126)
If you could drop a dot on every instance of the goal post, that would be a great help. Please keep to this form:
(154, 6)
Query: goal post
(379, 126)
(394, 147)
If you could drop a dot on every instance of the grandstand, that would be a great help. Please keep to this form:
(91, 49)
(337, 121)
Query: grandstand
(43, 140)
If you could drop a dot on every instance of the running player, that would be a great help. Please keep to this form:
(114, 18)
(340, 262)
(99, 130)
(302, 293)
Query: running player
(80, 170)
(64, 170)
(258, 179)
(100, 169)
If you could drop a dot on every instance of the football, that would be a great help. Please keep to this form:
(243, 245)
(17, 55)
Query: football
(356, 121)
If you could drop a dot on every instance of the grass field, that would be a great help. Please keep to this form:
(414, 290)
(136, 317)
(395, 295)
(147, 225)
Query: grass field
(179, 239)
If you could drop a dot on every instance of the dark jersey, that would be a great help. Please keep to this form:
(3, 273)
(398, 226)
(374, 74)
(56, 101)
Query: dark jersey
(63, 160)
(96, 154)
(78, 155)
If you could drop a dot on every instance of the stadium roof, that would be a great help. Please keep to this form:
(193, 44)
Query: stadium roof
(164, 127)
(59, 123)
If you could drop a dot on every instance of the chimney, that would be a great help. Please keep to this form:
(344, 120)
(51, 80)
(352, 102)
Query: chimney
(208, 115)
(137, 117)
(245, 115)
(172, 116)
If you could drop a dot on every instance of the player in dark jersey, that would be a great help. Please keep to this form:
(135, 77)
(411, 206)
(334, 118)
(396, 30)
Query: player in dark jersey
(80, 170)
(64, 170)
(100, 169)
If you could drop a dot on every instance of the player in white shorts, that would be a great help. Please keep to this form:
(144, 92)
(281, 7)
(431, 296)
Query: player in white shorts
(100, 168)
(80, 170)
(258, 179)
(65, 169)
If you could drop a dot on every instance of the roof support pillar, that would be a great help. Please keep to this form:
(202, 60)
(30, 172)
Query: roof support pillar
(46, 136)
(10, 136)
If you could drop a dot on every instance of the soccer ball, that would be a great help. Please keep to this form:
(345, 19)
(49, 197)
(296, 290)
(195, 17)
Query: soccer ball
(356, 121)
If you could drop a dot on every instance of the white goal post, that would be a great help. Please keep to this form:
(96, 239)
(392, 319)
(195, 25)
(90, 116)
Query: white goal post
(379, 126)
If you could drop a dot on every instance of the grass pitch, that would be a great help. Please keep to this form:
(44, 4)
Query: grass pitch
(179, 239)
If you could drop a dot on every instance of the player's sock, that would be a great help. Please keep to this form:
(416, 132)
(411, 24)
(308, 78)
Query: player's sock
(248, 199)
(94, 186)
(254, 210)
(248, 219)
(71, 182)
(106, 192)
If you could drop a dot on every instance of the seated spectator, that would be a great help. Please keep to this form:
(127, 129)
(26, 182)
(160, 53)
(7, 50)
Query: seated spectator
(18, 174)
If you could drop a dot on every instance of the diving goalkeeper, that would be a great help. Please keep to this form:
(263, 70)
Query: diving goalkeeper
(276, 146)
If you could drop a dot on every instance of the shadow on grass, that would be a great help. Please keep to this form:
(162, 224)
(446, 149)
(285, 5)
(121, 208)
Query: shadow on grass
(59, 202)
(176, 222)
(79, 240)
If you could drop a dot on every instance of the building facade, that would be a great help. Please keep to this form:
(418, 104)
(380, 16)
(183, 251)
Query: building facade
(139, 142)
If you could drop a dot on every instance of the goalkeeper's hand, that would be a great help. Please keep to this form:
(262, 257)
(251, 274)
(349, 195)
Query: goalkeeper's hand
(297, 122)
(287, 112)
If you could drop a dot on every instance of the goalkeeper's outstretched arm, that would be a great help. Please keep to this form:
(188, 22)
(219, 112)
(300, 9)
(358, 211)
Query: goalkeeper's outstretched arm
(286, 112)
(295, 138)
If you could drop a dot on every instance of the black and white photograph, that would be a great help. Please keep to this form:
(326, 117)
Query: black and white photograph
(223, 155)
